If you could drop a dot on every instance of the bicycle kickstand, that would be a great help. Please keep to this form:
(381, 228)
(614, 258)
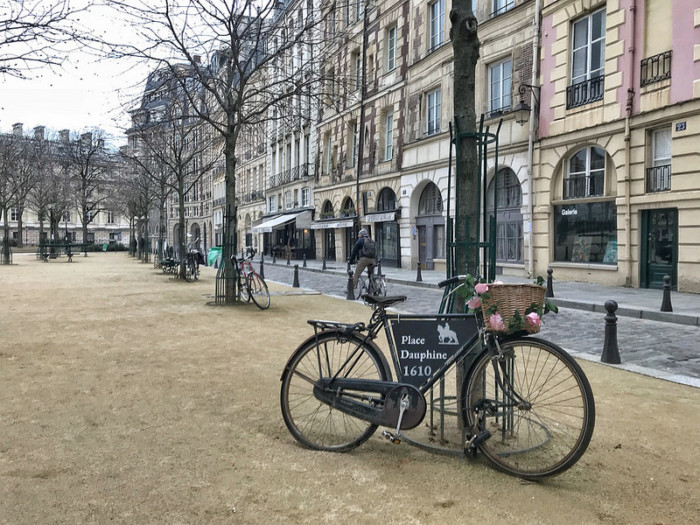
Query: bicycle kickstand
(396, 438)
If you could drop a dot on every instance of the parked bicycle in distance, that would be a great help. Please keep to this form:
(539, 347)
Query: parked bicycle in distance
(523, 402)
(250, 284)
(193, 258)
(370, 284)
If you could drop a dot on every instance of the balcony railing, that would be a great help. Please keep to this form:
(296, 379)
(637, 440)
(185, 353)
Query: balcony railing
(659, 178)
(581, 186)
(656, 68)
(585, 92)
(253, 196)
(300, 172)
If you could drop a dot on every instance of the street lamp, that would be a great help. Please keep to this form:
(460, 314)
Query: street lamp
(522, 110)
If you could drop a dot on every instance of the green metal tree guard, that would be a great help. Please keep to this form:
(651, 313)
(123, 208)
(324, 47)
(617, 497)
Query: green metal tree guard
(227, 273)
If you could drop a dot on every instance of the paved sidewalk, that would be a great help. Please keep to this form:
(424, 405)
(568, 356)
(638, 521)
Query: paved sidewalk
(632, 302)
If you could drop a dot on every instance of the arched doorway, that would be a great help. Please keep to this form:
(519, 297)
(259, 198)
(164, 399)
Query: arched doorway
(509, 218)
(386, 229)
(348, 210)
(327, 212)
(430, 224)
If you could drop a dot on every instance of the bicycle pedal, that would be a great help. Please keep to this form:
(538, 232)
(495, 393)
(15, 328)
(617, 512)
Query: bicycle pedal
(391, 437)
(471, 446)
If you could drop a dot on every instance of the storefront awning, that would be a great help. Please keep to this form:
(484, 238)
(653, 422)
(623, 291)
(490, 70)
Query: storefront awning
(278, 222)
(385, 216)
(326, 225)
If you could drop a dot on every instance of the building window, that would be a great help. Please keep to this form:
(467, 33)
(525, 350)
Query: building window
(272, 204)
(305, 197)
(430, 201)
(585, 174)
(389, 136)
(66, 216)
(288, 202)
(357, 66)
(14, 214)
(386, 200)
(501, 6)
(329, 155)
(353, 145)
(659, 174)
(499, 86)
(391, 49)
(433, 108)
(110, 217)
(587, 60)
(509, 220)
(586, 233)
(437, 24)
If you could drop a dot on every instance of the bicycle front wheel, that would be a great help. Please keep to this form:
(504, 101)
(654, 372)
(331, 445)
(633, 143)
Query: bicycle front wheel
(190, 271)
(312, 422)
(537, 405)
(379, 286)
(257, 289)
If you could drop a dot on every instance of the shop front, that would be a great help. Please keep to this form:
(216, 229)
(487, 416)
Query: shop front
(386, 234)
(328, 229)
(287, 235)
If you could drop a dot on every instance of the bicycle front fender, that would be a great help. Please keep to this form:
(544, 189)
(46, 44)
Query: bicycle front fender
(339, 333)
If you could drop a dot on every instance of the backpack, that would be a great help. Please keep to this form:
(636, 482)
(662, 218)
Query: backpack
(369, 248)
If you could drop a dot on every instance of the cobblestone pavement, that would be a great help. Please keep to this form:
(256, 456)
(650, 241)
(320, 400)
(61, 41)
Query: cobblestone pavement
(664, 350)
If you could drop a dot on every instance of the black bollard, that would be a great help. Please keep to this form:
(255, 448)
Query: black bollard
(262, 267)
(348, 265)
(289, 255)
(304, 261)
(419, 277)
(611, 353)
(549, 292)
(666, 302)
(379, 267)
(351, 292)
(274, 259)
(324, 264)
(296, 276)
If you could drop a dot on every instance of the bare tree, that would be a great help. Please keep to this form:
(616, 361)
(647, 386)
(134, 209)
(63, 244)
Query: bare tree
(246, 41)
(39, 33)
(91, 171)
(465, 44)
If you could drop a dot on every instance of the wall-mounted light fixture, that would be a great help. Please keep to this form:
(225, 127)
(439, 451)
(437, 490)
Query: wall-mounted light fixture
(523, 109)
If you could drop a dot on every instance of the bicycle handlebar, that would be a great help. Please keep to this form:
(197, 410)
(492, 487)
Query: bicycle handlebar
(451, 280)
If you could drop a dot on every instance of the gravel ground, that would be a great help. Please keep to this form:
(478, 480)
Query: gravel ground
(126, 397)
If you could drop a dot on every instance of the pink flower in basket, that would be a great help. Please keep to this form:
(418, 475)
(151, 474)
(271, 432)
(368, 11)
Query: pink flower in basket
(533, 319)
(497, 322)
(474, 303)
(481, 288)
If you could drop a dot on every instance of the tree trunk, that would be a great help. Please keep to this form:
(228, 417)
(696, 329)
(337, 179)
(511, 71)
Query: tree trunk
(20, 227)
(231, 222)
(6, 237)
(465, 43)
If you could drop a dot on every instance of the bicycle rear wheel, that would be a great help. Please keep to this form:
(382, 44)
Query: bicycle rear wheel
(546, 425)
(190, 271)
(257, 289)
(312, 422)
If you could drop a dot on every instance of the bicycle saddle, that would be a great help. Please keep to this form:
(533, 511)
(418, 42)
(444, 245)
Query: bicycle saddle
(384, 301)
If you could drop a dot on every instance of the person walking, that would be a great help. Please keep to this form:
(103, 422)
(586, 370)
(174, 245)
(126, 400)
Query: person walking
(365, 250)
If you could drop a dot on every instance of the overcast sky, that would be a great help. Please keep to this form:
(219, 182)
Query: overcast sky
(86, 93)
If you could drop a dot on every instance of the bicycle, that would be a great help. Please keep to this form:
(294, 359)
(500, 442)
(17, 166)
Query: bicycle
(372, 284)
(250, 284)
(192, 261)
(524, 403)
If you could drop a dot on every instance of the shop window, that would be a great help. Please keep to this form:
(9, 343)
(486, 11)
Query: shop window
(586, 232)
(430, 201)
(509, 220)
(386, 200)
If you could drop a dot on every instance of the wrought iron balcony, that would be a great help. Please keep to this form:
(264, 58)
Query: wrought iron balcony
(300, 172)
(656, 68)
(581, 186)
(585, 92)
(659, 178)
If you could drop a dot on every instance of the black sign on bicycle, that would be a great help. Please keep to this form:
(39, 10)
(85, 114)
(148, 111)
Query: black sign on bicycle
(425, 344)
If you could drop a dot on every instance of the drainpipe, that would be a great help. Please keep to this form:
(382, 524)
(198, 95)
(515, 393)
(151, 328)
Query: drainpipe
(628, 154)
(530, 140)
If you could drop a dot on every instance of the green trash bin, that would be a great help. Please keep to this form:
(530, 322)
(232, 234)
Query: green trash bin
(104, 247)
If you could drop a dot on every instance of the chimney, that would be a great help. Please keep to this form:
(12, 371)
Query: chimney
(100, 143)
(197, 59)
(64, 135)
(39, 133)
(17, 129)
(86, 138)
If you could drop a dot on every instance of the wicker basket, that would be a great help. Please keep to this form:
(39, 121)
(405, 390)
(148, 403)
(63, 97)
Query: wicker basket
(512, 297)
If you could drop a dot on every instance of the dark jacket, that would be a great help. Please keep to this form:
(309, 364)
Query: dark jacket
(357, 249)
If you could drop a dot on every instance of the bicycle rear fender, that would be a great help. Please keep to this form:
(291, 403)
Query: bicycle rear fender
(369, 342)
